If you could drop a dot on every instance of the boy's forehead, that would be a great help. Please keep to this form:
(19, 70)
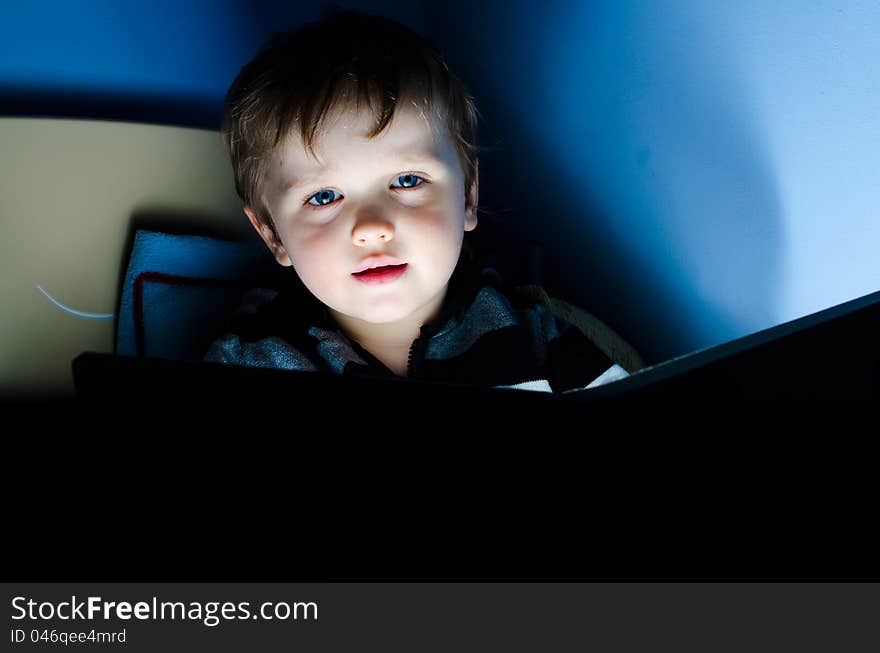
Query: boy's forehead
(410, 134)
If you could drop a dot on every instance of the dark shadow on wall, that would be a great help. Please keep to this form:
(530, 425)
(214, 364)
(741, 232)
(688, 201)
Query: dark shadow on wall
(573, 270)
(177, 111)
(544, 114)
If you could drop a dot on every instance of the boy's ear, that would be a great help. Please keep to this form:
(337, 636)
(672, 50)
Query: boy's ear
(473, 199)
(268, 235)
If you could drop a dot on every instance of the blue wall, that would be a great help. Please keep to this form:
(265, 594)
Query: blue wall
(699, 170)
(164, 61)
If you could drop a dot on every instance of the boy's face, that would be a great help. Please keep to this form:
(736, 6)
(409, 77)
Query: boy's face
(400, 194)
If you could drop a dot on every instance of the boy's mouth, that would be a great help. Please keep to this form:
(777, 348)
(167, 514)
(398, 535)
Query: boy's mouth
(382, 274)
(376, 261)
(381, 268)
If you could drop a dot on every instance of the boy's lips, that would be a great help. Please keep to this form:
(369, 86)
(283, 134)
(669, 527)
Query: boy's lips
(379, 271)
(379, 261)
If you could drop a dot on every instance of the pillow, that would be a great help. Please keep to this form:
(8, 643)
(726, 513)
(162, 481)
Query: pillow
(179, 290)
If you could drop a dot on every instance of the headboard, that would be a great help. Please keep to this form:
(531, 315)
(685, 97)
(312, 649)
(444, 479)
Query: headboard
(72, 194)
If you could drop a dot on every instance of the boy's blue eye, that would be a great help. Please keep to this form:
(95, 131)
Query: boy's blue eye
(326, 196)
(410, 180)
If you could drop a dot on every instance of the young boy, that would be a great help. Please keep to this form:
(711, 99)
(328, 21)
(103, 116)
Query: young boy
(353, 150)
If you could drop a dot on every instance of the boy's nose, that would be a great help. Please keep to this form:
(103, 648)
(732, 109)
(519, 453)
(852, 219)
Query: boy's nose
(370, 231)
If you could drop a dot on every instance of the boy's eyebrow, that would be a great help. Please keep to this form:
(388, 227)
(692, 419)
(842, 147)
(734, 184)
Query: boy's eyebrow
(407, 158)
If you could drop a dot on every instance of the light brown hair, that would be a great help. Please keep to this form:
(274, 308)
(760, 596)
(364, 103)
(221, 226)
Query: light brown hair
(345, 59)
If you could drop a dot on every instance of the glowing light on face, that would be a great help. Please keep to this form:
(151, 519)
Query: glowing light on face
(400, 194)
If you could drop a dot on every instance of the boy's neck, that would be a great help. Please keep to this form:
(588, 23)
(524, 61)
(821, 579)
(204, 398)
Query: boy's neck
(390, 340)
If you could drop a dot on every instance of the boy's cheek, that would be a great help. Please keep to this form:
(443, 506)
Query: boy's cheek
(443, 198)
(443, 220)
(318, 247)
(306, 232)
